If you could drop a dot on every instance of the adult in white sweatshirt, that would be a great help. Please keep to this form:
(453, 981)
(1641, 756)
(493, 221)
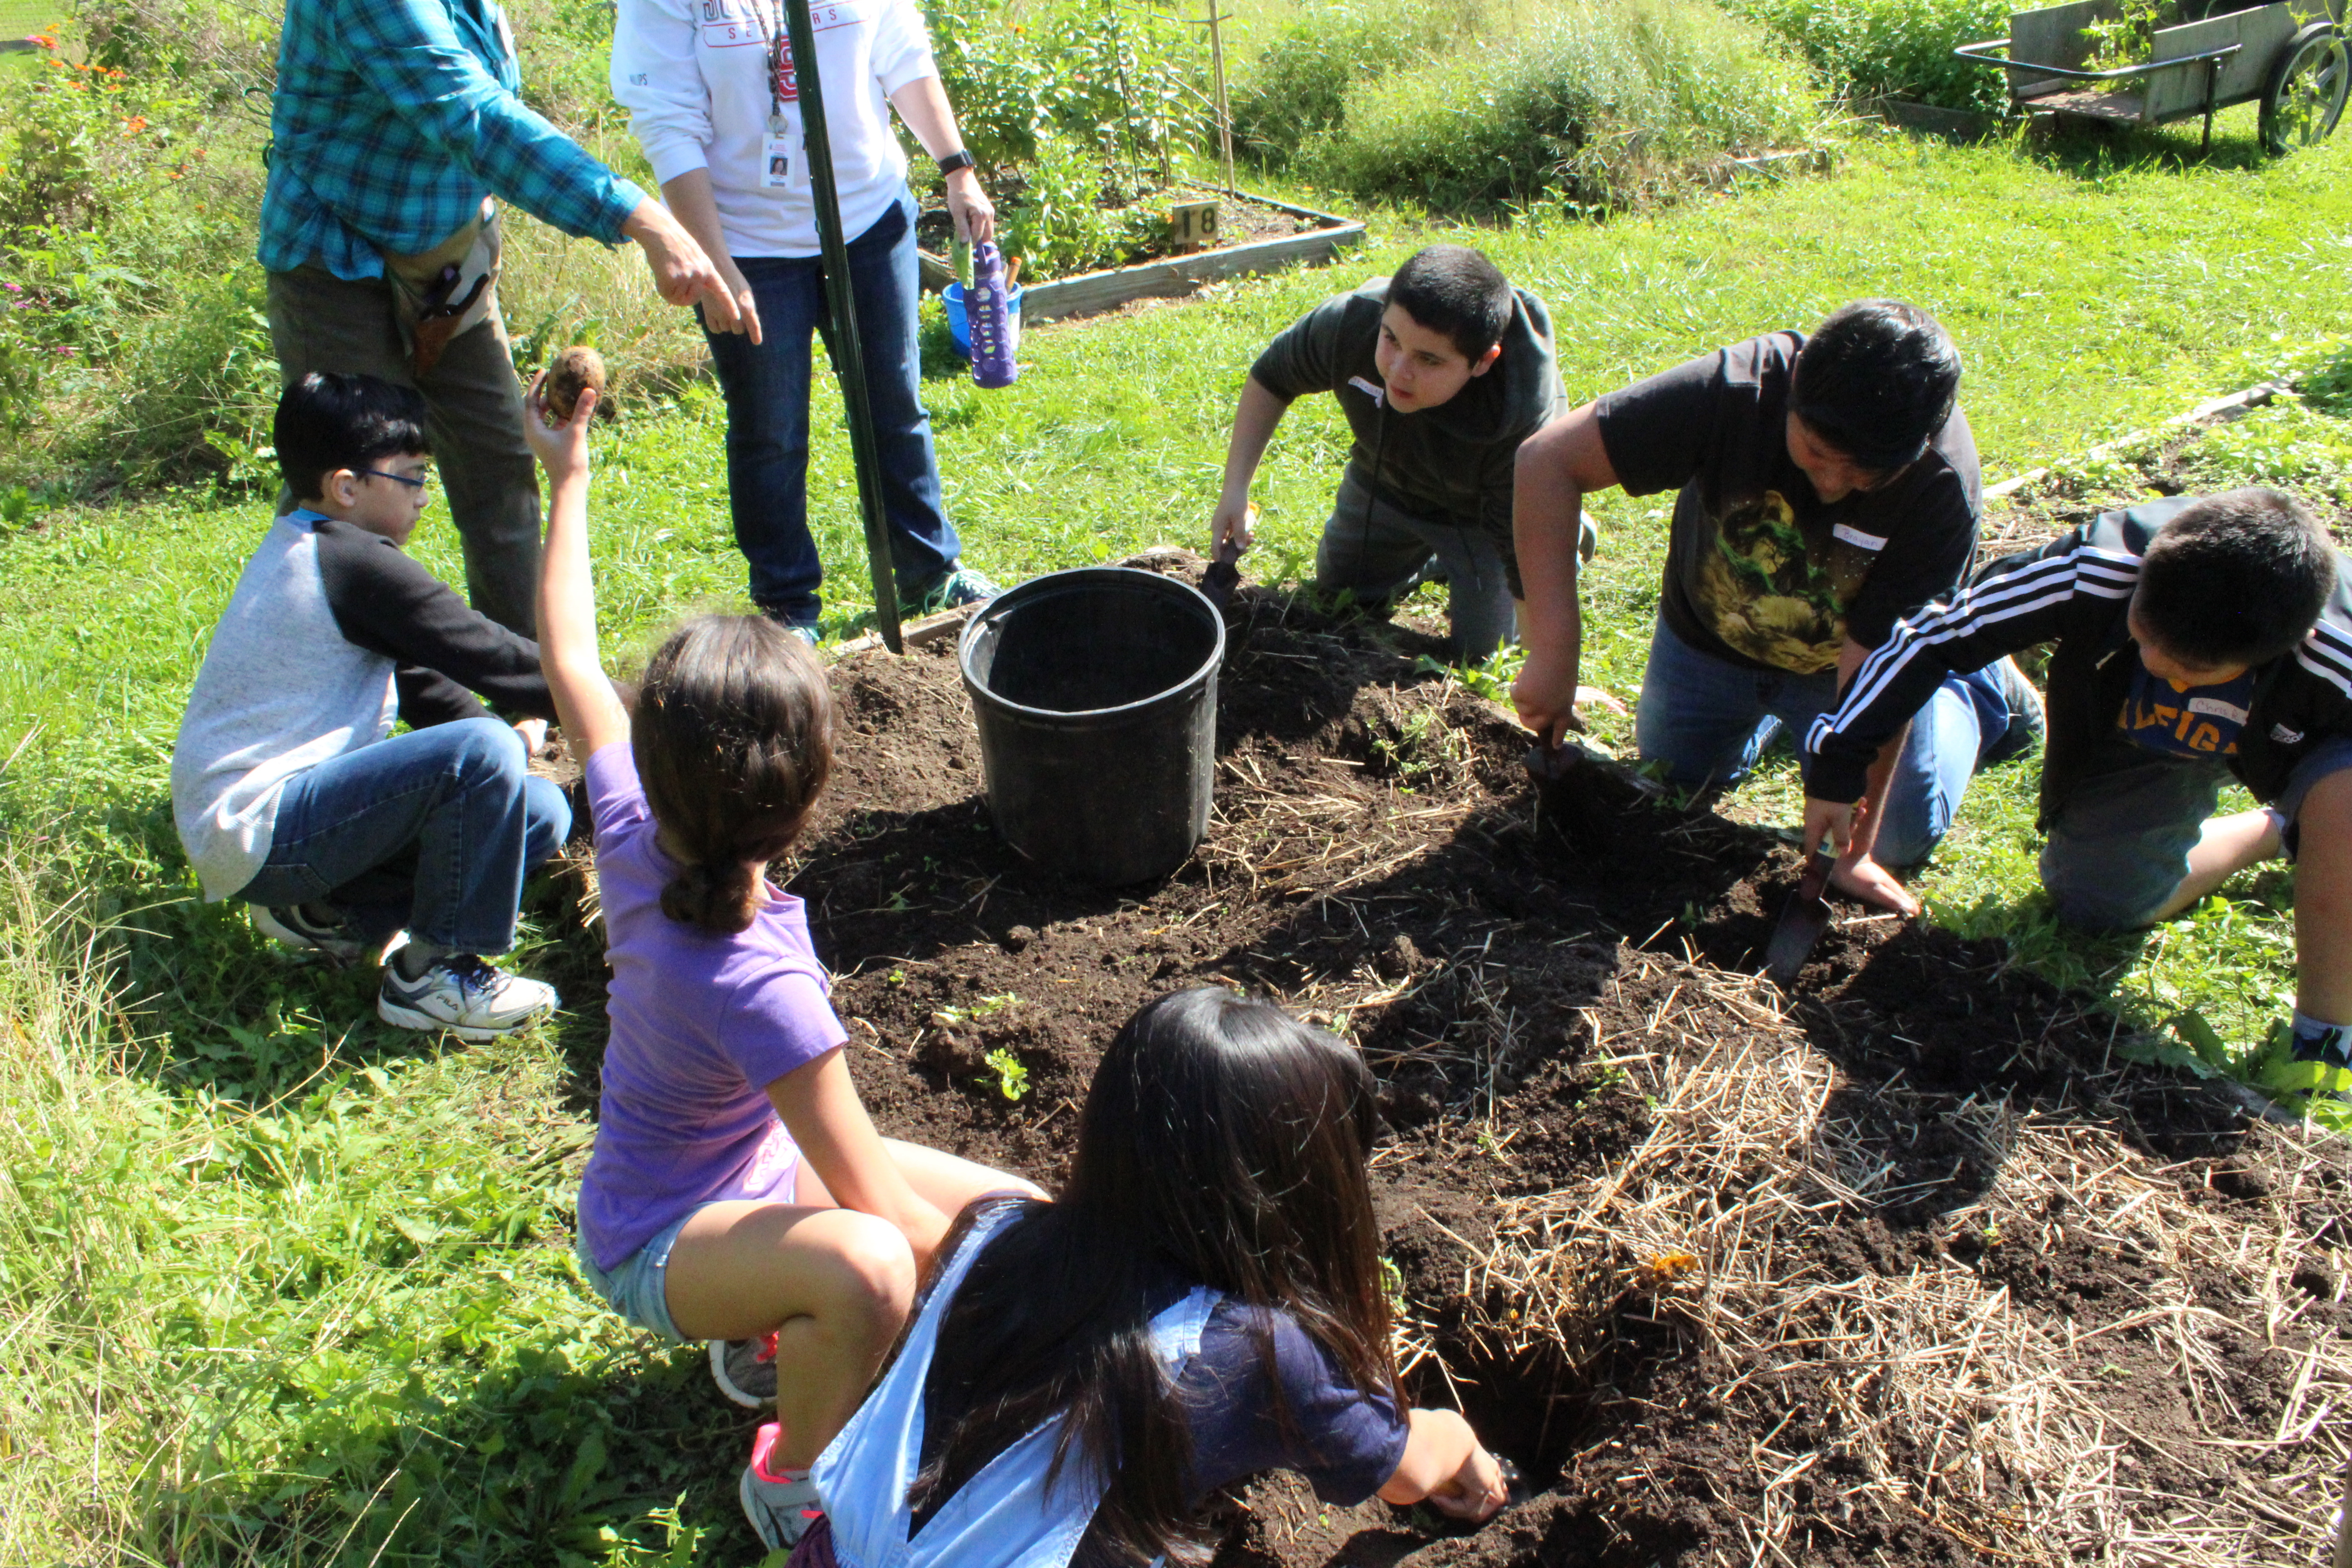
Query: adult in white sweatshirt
(712, 93)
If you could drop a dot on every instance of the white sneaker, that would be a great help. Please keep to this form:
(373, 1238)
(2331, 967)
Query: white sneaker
(463, 994)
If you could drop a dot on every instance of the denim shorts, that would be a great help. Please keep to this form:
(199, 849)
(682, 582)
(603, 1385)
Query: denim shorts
(635, 1285)
(2121, 845)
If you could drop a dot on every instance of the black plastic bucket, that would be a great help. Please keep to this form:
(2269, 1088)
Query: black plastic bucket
(1097, 695)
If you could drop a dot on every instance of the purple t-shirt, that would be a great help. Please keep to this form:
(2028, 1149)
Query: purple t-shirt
(700, 1026)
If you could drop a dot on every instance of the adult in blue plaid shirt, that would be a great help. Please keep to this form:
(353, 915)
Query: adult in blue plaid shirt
(395, 125)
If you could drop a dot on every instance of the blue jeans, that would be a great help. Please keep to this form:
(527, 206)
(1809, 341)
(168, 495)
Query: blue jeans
(433, 830)
(1708, 720)
(2119, 848)
(767, 393)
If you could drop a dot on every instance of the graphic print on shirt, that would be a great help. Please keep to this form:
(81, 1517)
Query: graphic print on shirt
(742, 24)
(2185, 720)
(1776, 589)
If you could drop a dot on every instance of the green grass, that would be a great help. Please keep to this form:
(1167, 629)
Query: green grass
(20, 19)
(277, 1284)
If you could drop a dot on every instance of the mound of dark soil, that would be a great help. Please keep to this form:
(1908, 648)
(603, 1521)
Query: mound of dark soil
(1378, 861)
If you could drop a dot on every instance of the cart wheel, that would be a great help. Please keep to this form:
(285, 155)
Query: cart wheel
(2306, 91)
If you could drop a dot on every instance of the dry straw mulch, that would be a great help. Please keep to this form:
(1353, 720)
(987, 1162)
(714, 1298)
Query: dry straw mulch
(2023, 1431)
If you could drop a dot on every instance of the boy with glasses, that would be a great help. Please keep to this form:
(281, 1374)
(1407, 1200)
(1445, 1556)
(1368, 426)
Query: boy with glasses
(288, 788)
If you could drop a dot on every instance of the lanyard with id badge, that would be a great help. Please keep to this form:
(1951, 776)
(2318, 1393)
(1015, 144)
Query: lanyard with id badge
(784, 163)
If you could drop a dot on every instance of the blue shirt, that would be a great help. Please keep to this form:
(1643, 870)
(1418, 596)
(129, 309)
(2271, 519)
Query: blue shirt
(2199, 721)
(394, 119)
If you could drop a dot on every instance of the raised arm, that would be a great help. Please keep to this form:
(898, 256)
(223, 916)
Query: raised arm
(1557, 467)
(585, 704)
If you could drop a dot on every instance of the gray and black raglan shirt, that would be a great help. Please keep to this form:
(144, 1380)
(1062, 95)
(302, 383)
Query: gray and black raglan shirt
(331, 634)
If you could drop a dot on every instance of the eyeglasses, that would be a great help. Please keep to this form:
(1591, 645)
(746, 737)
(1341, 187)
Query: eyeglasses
(418, 484)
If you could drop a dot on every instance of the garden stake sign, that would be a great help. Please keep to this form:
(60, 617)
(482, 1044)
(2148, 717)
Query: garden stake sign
(847, 358)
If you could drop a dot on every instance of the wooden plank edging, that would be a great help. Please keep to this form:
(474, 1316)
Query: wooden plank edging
(919, 632)
(2254, 397)
(1091, 292)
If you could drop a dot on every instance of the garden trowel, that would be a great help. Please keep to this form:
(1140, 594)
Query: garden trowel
(1224, 574)
(1803, 922)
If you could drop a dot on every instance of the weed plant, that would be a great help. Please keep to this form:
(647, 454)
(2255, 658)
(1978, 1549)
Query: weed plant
(1604, 103)
(1893, 48)
(1295, 86)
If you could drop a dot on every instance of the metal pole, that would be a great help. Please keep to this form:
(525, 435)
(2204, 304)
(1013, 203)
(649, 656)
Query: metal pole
(848, 360)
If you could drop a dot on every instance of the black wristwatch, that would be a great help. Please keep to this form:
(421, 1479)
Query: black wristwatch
(961, 158)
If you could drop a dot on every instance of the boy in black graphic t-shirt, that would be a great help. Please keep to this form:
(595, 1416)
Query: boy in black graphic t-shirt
(1827, 485)
(2198, 639)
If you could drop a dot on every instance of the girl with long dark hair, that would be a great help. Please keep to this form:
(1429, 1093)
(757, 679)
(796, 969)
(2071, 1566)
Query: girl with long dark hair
(1204, 1301)
(737, 1192)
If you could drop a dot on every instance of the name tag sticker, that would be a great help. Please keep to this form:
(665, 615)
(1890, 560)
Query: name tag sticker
(1371, 389)
(2214, 705)
(1858, 539)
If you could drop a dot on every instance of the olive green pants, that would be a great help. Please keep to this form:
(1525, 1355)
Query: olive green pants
(473, 417)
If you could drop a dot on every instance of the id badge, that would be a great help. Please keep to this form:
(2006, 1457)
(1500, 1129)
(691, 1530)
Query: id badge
(780, 156)
(784, 163)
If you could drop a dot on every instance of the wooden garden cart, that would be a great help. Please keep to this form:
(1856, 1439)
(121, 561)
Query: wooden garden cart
(2290, 56)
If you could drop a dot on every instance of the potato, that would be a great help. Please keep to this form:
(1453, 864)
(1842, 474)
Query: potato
(576, 370)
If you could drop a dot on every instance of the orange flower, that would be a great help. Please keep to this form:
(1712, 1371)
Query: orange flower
(134, 125)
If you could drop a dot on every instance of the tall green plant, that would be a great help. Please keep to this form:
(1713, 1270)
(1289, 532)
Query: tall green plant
(1297, 88)
(1605, 103)
(1123, 79)
(1891, 48)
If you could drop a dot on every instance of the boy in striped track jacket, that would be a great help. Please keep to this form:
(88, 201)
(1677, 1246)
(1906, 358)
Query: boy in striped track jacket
(2198, 639)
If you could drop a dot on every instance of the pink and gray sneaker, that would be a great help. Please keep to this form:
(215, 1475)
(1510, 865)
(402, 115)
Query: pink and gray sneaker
(780, 1503)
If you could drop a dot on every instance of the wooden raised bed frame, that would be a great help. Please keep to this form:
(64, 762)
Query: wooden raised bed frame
(1092, 292)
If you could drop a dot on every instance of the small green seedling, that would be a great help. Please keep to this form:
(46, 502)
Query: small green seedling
(1012, 1077)
(949, 1017)
(1392, 1286)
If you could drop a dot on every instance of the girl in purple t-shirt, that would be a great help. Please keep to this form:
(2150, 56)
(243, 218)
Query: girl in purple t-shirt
(737, 1192)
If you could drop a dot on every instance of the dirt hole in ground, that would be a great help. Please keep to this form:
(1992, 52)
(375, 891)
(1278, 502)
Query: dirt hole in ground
(1910, 1266)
